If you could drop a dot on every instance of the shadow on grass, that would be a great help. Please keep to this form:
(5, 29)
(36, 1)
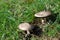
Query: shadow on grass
(36, 31)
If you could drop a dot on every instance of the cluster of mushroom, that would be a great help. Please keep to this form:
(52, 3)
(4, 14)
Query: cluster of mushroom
(27, 27)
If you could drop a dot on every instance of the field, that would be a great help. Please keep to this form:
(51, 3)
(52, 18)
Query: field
(14, 12)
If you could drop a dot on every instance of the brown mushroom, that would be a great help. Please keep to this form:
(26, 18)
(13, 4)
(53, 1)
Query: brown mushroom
(43, 15)
(26, 27)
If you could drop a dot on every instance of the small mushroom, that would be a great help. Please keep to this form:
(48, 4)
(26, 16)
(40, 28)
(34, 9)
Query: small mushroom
(43, 15)
(26, 27)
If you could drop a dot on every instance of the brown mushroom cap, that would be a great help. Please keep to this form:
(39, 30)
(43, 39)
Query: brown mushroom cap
(43, 14)
(24, 26)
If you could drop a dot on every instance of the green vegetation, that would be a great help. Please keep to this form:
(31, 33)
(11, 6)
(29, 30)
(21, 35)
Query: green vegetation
(13, 12)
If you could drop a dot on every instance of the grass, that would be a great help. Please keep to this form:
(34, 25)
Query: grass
(13, 12)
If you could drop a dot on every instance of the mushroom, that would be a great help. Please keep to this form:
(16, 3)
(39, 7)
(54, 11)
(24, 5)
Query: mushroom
(26, 27)
(43, 15)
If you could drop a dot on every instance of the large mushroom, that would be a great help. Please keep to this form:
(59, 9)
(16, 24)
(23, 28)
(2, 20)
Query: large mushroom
(43, 15)
(26, 27)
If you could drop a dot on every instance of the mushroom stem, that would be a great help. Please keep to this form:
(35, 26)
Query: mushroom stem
(27, 33)
(43, 20)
